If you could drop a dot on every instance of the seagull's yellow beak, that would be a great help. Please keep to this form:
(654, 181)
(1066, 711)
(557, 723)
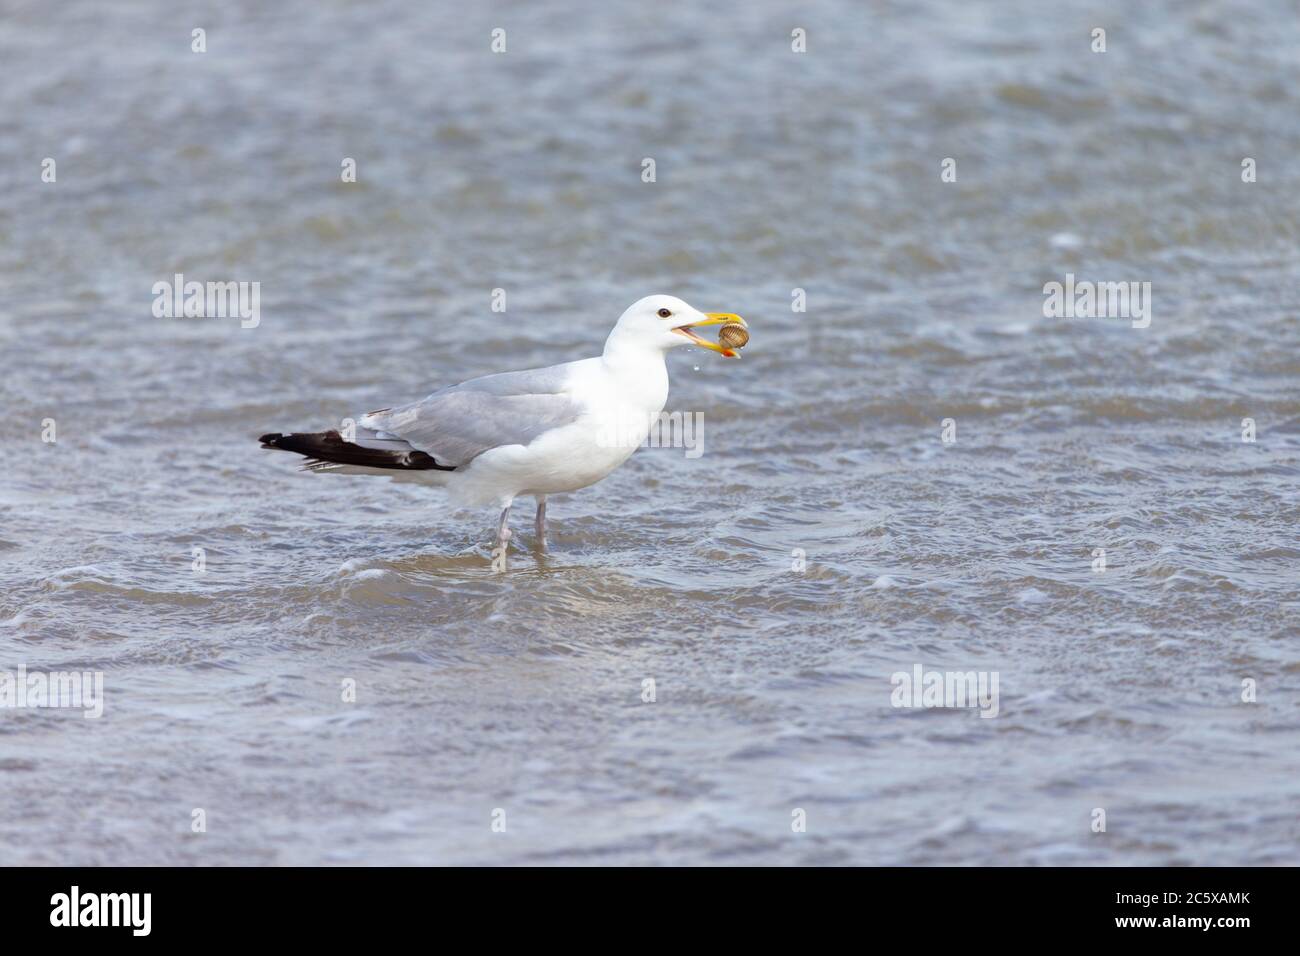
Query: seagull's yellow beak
(713, 318)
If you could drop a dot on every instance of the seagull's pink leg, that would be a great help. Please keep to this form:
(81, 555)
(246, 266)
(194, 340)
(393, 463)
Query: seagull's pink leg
(503, 532)
(540, 522)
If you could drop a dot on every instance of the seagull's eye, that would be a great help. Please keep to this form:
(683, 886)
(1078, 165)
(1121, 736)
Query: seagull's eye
(664, 313)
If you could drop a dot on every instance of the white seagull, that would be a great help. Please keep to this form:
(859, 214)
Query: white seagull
(537, 432)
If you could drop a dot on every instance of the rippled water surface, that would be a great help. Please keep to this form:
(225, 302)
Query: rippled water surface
(479, 691)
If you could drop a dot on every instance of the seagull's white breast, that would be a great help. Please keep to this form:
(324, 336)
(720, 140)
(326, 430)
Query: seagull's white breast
(620, 400)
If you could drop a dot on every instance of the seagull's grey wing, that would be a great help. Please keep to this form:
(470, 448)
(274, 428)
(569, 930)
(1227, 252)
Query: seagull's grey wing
(455, 425)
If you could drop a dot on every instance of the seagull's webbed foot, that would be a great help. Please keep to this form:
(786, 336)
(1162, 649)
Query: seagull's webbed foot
(539, 523)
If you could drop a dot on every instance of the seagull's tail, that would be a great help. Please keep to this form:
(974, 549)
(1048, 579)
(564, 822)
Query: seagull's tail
(368, 452)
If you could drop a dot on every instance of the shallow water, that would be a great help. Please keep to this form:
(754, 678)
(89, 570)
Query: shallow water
(479, 691)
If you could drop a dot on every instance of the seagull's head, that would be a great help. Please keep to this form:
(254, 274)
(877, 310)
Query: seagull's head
(665, 321)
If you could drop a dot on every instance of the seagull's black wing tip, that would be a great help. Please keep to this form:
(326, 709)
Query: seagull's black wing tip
(329, 447)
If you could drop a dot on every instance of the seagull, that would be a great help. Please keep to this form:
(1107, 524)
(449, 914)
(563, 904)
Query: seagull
(535, 432)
